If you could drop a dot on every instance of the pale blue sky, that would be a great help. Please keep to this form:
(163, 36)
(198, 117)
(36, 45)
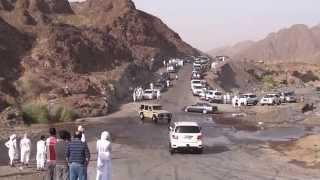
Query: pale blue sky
(208, 24)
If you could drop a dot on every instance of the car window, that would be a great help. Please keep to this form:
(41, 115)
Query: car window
(142, 107)
(196, 82)
(148, 92)
(145, 107)
(252, 96)
(150, 108)
(187, 129)
(218, 93)
(157, 107)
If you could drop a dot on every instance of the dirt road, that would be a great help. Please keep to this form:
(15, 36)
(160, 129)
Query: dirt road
(140, 151)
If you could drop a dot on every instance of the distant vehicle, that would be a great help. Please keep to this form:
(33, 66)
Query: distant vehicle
(212, 96)
(154, 112)
(250, 99)
(288, 97)
(204, 108)
(171, 69)
(198, 82)
(160, 85)
(196, 75)
(185, 136)
(197, 90)
(270, 99)
(149, 94)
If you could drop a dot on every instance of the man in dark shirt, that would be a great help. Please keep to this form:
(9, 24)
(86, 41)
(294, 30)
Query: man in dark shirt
(78, 156)
(62, 168)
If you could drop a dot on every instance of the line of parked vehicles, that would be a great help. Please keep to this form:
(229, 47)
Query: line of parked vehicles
(182, 135)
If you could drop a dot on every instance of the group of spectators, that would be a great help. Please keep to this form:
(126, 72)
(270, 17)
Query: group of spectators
(64, 157)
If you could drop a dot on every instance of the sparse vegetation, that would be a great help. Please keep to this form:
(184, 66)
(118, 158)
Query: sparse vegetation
(38, 112)
(35, 113)
(66, 114)
(269, 82)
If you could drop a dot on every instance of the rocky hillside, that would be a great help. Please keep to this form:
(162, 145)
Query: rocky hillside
(297, 43)
(81, 55)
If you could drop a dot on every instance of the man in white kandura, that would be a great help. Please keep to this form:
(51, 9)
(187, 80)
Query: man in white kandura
(104, 157)
(41, 153)
(25, 147)
(12, 148)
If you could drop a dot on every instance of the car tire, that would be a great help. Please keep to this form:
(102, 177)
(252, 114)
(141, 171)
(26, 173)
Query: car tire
(200, 151)
(141, 116)
(155, 119)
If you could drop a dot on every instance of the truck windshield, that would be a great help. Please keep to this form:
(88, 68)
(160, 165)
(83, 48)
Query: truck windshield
(187, 129)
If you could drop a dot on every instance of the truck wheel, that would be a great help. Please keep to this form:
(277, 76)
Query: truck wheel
(155, 119)
(171, 150)
(141, 116)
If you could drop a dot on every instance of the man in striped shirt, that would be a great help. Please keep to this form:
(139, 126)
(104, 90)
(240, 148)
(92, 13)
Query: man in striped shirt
(78, 157)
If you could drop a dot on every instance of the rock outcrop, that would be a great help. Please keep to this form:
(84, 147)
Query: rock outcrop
(299, 43)
(84, 55)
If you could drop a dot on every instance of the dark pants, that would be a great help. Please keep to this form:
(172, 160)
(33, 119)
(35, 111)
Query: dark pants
(51, 171)
(62, 172)
(77, 171)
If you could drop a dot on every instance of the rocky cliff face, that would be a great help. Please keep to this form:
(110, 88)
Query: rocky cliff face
(94, 49)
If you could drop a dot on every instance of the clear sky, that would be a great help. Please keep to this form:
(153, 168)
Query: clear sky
(208, 24)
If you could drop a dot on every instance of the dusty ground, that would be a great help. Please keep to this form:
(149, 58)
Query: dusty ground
(232, 151)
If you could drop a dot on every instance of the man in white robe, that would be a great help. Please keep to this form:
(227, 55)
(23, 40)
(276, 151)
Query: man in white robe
(41, 153)
(12, 148)
(25, 147)
(104, 157)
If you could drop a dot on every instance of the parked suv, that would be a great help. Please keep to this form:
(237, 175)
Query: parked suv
(154, 112)
(270, 99)
(185, 136)
(288, 97)
(249, 99)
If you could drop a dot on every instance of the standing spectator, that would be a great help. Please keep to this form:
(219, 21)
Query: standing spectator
(78, 156)
(62, 168)
(81, 130)
(104, 157)
(25, 147)
(12, 148)
(41, 153)
(51, 153)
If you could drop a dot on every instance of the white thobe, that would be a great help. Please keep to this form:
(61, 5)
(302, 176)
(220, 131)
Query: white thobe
(103, 160)
(25, 147)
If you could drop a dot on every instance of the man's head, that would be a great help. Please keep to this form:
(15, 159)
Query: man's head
(52, 132)
(25, 135)
(42, 137)
(80, 129)
(65, 135)
(77, 135)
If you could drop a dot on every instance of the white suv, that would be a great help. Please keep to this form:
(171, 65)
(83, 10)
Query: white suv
(213, 95)
(270, 99)
(249, 99)
(149, 94)
(185, 136)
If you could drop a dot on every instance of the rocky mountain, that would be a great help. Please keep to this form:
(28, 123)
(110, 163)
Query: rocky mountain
(297, 43)
(94, 50)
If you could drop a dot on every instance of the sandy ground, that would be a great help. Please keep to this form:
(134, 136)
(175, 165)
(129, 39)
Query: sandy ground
(140, 151)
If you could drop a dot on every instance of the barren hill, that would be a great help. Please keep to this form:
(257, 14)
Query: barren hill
(297, 43)
(97, 49)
